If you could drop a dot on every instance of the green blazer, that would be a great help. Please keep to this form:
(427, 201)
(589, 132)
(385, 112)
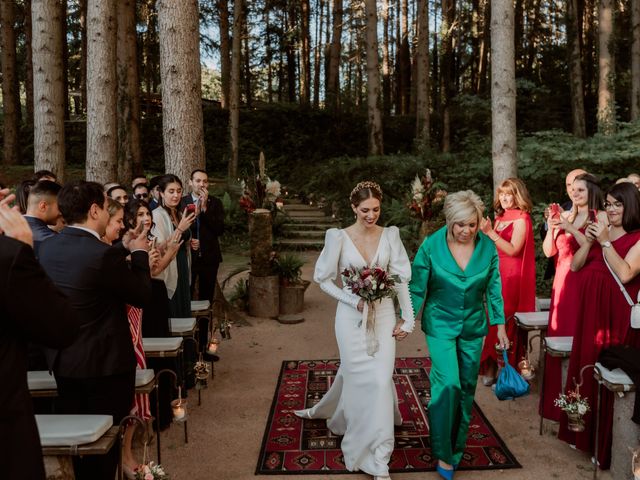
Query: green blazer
(455, 298)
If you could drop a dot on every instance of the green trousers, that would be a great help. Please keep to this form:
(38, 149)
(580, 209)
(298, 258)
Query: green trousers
(453, 377)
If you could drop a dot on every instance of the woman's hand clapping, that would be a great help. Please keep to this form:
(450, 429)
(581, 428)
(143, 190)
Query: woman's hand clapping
(597, 231)
(12, 223)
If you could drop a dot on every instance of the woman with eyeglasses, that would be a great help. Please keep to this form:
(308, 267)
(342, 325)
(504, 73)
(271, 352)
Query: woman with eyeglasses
(602, 315)
(564, 237)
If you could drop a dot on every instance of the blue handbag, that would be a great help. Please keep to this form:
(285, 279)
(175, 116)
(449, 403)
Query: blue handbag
(510, 384)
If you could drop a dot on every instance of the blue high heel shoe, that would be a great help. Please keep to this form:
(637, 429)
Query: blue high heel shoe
(444, 473)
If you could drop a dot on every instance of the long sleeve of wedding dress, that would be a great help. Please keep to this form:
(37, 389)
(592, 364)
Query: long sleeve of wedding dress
(326, 270)
(399, 265)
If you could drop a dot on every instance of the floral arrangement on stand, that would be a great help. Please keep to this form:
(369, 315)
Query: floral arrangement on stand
(427, 201)
(150, 471)
(260, 191)
(575, 406)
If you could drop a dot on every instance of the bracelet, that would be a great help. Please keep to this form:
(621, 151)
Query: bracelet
(179, 230)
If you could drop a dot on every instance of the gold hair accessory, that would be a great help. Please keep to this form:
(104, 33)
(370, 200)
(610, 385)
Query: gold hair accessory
(367, 185)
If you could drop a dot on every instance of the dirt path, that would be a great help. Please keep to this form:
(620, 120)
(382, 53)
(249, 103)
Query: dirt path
(225, 432)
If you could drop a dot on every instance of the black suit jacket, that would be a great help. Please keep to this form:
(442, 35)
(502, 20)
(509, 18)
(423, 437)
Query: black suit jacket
(97, 280)
(208, 227)
(40, 231)
(31, 309)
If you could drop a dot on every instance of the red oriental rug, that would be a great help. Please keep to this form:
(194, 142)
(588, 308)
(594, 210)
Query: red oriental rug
(293, 446)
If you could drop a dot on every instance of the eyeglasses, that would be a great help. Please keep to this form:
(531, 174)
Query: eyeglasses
(615, 205)
(140, 196)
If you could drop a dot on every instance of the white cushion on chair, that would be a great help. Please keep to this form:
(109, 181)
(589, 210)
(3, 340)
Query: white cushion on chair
(615, 376)
(68, 430)
(198, 305)
(543, 303)
(161, 344)
(41, 380)
(182, 325)
(144, 376)
(533, 319)
(559, 344)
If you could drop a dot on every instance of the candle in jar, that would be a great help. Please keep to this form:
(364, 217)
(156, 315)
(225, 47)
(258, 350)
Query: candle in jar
(178, 412)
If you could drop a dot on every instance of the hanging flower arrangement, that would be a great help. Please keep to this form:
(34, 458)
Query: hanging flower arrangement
(260, 191)
(427, 197)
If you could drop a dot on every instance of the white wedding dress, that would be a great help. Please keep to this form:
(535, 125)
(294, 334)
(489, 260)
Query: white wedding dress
(362, 403)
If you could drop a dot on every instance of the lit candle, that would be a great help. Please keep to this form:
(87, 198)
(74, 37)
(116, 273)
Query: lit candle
(212, 348)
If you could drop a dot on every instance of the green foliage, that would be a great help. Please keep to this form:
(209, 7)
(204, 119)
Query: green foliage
(240, 294)
(288, 266)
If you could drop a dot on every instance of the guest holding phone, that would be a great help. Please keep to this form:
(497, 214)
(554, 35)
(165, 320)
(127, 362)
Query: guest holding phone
(564, 237)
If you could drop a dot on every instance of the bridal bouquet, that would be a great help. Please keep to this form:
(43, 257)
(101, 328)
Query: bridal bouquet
(370, 283)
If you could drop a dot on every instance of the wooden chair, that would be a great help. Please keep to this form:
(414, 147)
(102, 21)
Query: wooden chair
(559, 347)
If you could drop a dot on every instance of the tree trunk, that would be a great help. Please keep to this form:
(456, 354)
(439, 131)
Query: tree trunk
(635, 60)
(376, 146)
(606, 80)
(503, 92)
(48, 88)
(305, 54)
(102, 134)
(290, 48)
(447, 77)
(386, 66)
(234, 92)
(333, 87)
(575, 70)
(268, 55)
(475, 44)
(65, 57)
(485, 45)
(225, 58)
(129, 155)
(83, 54)
(28, 45)
(317, 58)
(422, 81)
(246, 56)
(182, 129)
(10, 99)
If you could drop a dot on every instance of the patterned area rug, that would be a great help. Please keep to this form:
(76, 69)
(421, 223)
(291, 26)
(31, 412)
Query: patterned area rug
(291, 446)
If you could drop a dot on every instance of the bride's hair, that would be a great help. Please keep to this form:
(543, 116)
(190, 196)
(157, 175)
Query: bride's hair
(364, 191)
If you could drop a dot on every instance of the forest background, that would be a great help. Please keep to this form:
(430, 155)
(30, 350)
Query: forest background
(296, 79)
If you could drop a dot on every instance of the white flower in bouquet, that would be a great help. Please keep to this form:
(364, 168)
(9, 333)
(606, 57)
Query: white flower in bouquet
(582, 409)
(417, 189)
(272, 190)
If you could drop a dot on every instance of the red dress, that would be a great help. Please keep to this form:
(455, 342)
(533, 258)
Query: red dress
(603, 315)
(518, 276)
(560, 324)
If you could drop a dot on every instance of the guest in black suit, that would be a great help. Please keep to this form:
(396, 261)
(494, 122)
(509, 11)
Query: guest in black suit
(209, 225)
(96, 374)
(42, 211)
(31, 309)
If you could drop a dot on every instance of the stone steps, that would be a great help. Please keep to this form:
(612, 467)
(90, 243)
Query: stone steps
(300, 244)
(304, 227)
(309, 234)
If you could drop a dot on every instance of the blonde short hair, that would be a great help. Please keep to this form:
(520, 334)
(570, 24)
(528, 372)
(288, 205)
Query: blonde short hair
(460, 207)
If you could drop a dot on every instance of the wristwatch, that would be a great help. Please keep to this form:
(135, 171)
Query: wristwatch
(606, 244)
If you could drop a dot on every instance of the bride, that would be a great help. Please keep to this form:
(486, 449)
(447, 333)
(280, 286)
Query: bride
(362, 403)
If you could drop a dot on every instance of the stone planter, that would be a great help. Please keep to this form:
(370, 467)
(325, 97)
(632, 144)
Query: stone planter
(292, 302)
(264, 296)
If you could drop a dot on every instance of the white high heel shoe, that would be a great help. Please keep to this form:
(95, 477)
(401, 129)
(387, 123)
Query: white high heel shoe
(382, 478)
(306, 413)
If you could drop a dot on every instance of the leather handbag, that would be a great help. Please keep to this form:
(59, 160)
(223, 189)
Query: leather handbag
(635, 306)
(510, 384)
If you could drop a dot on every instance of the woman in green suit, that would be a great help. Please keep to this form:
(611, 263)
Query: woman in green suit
(454, 271)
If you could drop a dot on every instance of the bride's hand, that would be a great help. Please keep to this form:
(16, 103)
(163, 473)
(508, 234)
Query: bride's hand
(399, 333)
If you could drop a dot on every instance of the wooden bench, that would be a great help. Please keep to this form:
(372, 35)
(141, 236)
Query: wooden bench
(65, 436)
(625, 433)
(160, 347)
(559, 347)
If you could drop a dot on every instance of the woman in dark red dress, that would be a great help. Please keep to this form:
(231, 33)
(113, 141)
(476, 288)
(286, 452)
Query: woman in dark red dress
(513, 236)
(565, 234)
(602, 309)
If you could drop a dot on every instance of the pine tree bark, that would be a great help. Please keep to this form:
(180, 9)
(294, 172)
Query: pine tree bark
(102, 134)
(503, 92)
(10, 99)
(386, 66)
(575, 70)
(225, 57)
(376, 145)
(635, 60)
(485, 46)
(48, 88)
(129, 155)
(28, 45)
(422, 81)
(606, 73)
(305, 54)
(317, 59)
(83, 54)
(65, 57)
(333, 86)
(234, 91)
(246, 56)
(290, 49)
(182, 129)
(447, 77)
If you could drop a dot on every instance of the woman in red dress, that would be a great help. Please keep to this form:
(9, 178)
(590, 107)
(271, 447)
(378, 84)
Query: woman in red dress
(564, 237)
(602, 309)
(513, 236)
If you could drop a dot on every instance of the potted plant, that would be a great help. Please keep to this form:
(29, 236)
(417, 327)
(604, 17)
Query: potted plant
(292, 287)
(575, 406)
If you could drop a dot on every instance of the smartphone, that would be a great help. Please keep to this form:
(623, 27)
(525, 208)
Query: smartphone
(554, 211)
(191, 208)
(593, 215)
